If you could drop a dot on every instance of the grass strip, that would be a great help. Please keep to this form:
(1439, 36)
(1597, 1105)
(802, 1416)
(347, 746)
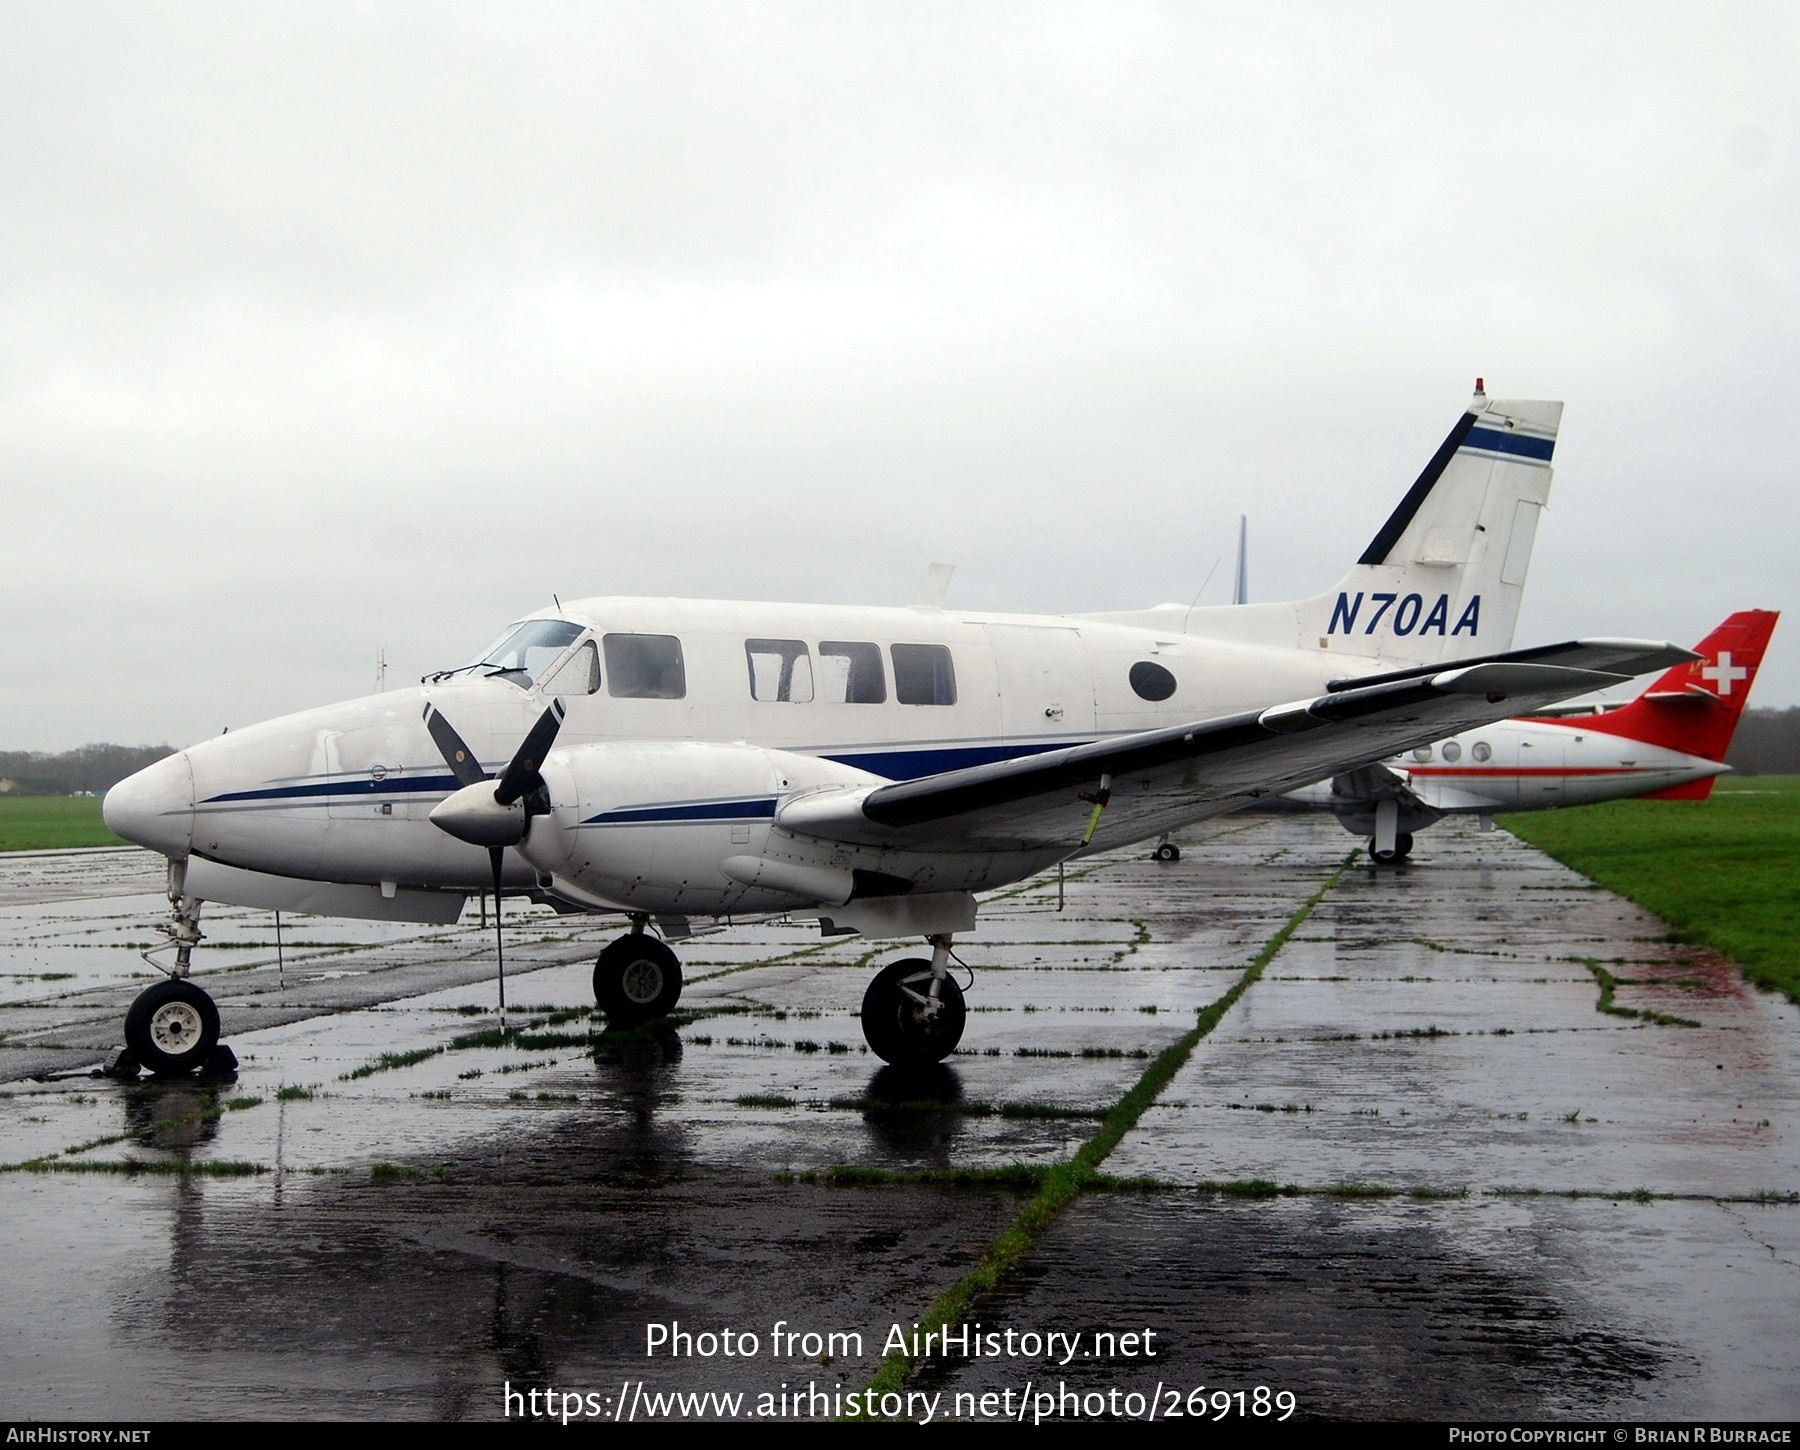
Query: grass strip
(134, 1167)
(1718, 871)
(1610, 984)
(52, 823)
(1060, 1185)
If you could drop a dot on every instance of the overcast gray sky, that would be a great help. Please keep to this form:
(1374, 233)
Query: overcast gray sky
(327, 329)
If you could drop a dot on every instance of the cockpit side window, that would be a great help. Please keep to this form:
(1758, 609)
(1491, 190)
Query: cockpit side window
(579, 674)
(645, 667)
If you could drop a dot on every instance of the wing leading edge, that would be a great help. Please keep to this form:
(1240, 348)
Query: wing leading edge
(1113, 792)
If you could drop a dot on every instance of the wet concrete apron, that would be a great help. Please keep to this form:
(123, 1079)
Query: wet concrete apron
(1412, 1172)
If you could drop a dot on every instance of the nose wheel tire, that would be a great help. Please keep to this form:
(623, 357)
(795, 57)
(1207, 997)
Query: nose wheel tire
(172, 1028)
(637, 979)
(1168, 851)
(903, 1024)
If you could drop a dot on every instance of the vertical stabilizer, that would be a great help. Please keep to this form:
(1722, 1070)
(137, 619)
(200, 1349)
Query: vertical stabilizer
(1695, 707)
(1444, 576)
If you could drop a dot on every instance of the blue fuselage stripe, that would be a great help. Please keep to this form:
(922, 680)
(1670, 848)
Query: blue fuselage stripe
(1493, 440)
(891, 764)
(362, 788)
(744, 810)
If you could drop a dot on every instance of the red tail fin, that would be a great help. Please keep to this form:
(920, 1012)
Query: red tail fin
(1695, 707)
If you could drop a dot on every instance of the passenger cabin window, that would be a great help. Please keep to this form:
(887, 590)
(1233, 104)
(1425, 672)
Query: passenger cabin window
(923, 674)
(579, 674)
(780, 669)
(850, 673)
(1422, 754)
(1482, 751)
(645, 667)
(1452, 751)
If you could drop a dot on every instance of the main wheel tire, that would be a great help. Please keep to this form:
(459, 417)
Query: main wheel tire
(1168, 851)
(904, 1031)
(1403, 844)
(637, 979)
(172, 1028)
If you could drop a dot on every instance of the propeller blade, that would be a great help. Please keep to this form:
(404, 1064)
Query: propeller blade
(521, 774)
(457, 756)
(495, 853)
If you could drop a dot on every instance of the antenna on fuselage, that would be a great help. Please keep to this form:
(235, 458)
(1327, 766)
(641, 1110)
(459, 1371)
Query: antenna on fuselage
(933, 587)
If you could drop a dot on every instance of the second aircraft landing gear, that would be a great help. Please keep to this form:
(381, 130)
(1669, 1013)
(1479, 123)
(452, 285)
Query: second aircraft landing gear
(1390, 843)
(913, 1012)
(637, 979)
(1167, 851)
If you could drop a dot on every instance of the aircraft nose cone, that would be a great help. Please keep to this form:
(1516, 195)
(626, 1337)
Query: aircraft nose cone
(155, 807)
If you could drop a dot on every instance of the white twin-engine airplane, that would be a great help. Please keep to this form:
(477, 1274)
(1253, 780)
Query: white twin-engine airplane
(1667, 744)
(873, 768)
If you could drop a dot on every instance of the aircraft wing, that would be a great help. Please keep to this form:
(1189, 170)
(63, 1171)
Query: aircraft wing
(1116, 791)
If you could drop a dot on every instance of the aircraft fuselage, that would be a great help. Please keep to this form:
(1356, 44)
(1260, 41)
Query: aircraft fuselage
(666, 778)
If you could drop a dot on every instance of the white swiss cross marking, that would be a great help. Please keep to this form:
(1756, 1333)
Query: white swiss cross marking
(1724, 673)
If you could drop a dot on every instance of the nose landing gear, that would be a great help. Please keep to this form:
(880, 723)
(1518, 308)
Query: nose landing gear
(172, 1028)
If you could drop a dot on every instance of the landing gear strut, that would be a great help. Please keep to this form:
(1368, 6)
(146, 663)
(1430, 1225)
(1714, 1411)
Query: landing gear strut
(1390, 844)
(172, 1028)
(637, 978)
(913, 1012)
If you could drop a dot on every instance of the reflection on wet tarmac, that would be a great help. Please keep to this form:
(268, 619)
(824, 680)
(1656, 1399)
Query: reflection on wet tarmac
(1380, 1131)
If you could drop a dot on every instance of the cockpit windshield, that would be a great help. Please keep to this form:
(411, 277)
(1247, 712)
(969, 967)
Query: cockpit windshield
(524, 650)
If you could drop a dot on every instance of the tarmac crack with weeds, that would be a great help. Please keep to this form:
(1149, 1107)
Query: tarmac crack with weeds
(1059, 1186)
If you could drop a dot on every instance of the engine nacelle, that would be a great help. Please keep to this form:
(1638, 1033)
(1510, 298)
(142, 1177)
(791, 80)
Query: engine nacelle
(686, 828)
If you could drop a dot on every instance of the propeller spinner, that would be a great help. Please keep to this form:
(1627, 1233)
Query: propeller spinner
(484, 813)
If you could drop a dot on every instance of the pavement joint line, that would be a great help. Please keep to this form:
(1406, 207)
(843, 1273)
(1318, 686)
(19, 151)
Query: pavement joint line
(1063, 1183)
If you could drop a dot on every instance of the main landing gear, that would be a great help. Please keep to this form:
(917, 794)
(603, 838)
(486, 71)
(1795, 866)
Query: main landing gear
(172, 1028)
(1390, 844)
(1167, 851)
(637, 979)
(913, 1012)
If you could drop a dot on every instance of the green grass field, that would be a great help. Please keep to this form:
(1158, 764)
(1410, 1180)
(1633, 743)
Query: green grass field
(48, 822)
(1722, 872)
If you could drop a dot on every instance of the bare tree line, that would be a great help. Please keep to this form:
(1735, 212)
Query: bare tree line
(92, 769)
(1767, 743)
